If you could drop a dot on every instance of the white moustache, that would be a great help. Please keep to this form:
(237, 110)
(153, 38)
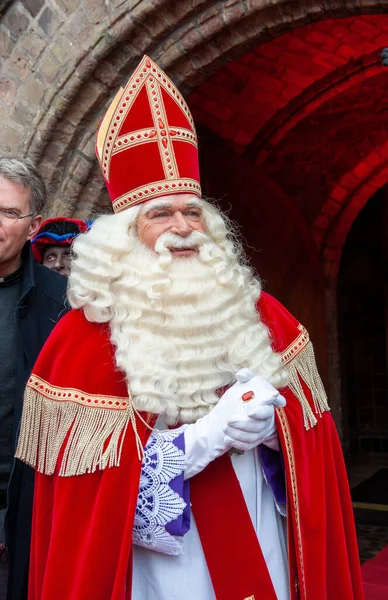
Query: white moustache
(171, 240)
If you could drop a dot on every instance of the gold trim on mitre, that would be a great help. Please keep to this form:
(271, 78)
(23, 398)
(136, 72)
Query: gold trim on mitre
(153, 190)
(89, 428)
(299, 361)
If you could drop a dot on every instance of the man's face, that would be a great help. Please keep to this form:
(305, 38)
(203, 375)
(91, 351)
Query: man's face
(14, 234)
(176, 213)
(58, 259)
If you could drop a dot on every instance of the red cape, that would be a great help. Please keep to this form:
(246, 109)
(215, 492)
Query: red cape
(81, 434)
(322, 536)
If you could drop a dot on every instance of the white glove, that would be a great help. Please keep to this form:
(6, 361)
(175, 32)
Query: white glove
(233, 422)
(245, 433)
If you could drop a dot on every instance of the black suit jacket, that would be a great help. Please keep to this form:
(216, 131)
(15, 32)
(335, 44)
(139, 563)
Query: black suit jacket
(42, 304)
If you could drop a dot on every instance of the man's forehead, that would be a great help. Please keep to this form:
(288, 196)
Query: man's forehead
(170, 202)
(13, 195)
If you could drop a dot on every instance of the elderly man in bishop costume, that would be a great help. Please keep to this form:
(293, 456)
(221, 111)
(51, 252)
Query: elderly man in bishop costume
(176, 420)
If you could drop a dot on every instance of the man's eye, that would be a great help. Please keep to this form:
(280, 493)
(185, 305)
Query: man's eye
(160, 215)
(194, 213)
(8, 213)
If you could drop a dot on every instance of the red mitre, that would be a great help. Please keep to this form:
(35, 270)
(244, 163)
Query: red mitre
(146, 144)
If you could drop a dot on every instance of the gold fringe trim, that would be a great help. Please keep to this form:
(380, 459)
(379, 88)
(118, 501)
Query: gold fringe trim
(95, 436)
(293, 496)
(303, 366)
(60, 394)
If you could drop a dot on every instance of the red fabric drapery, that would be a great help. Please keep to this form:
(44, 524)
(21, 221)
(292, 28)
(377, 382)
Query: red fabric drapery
(82, 525)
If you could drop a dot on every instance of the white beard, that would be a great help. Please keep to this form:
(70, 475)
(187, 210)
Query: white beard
(183, 327)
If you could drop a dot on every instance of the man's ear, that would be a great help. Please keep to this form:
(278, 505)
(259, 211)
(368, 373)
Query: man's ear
(34, 226)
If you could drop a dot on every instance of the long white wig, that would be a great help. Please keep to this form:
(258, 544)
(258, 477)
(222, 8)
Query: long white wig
(181, 327)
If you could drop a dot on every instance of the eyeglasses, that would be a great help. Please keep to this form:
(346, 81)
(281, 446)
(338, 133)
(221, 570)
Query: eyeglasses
(10, 217)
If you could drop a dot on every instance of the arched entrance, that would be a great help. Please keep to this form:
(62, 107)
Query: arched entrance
(294, 140)
(363, 327)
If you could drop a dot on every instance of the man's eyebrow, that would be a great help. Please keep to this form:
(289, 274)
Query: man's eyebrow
(166, 204)
(193, 204)
(158, 207)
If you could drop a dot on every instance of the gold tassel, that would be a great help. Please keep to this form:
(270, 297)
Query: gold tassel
(303, 366)
(95, 435)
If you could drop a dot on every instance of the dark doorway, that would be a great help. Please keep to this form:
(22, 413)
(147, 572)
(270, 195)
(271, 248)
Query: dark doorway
(363, 328)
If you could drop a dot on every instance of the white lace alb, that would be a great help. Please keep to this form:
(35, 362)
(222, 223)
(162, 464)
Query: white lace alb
(157, 503)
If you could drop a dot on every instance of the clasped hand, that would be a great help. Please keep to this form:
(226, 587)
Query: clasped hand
(233, 423)
(251, 423)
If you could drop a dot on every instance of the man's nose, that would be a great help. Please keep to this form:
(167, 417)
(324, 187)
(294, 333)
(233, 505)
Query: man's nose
(180, 226)
(58, 264)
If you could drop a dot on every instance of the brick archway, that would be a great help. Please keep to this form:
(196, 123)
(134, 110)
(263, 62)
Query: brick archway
(366, 178)
(308, 111)
(345, 203)
(338, 84)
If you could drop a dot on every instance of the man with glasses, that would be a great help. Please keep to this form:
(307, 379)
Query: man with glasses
(52, 244)
(31, 303)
